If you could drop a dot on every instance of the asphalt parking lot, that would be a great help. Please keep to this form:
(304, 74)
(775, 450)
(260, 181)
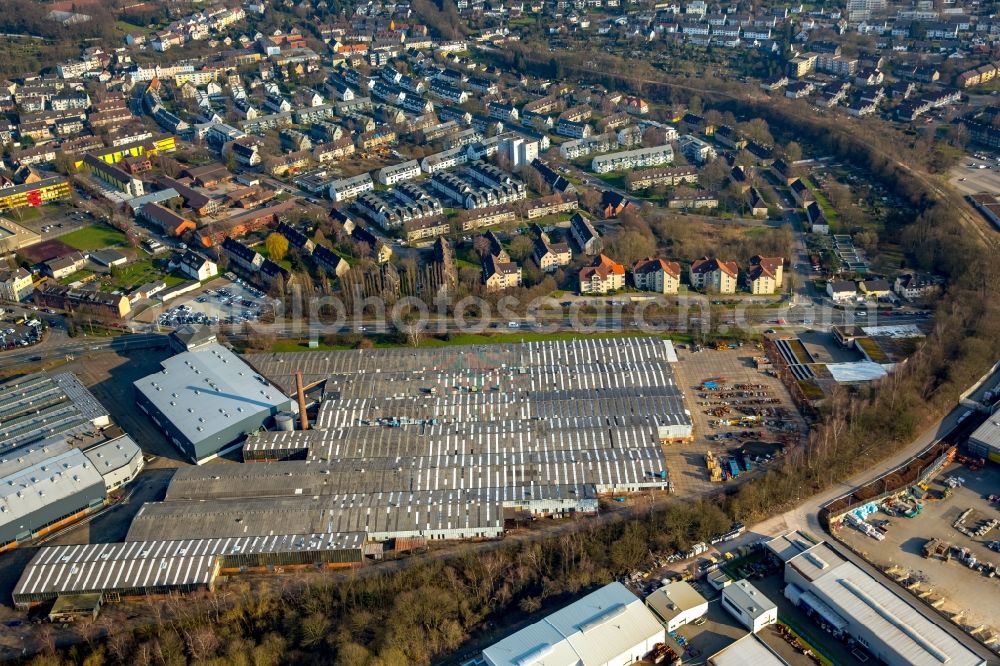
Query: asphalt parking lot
(56, 222)
(13, 335)
(220, 301)
(973, 180)
(950, 584)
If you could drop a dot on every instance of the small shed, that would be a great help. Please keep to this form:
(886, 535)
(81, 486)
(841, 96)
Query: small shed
(72, 607)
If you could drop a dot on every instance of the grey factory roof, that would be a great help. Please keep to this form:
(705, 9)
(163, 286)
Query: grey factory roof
(856, 595)
(17, 459)
(81, 397)
(49, 480)
(147, 564)
(749, 598)
(310, 479)
(637, 405)
(113, 454)
(788, 545)
(205, 391)
(37, 407)
(319, 366)
(988, 434)
(376, 514)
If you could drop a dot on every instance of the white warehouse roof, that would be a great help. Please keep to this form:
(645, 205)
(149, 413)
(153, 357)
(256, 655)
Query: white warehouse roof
(49, 480)
(747, 650)
(595, 630)
(855, 595)
(204, 392)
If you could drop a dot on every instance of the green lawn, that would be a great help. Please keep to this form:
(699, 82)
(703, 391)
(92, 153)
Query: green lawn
(94, 237)
(25, 214)
(614, 178)
(824, 203)
(81, 274)
(127, 27)
(133, 275)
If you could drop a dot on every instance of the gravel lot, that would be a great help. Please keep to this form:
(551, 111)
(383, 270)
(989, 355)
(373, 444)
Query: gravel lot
(960, 588)
(686, 462)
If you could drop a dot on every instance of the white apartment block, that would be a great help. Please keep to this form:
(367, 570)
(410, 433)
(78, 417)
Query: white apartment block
(346, 189)
(633, 159)
(399, 173)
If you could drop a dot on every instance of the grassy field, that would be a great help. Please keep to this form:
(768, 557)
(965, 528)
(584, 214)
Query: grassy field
(138, 273)
(94, 237)
(614, 178)
(82, 274)
(125, 27)
(824, 203)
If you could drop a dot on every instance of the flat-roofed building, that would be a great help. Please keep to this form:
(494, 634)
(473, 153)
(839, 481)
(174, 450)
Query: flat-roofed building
(750, 650)
(749, 605)
(677, 604)
(633, 159)
(207, 401)
(47, 485)
(853, 603)
(609, 626)
(40, 497)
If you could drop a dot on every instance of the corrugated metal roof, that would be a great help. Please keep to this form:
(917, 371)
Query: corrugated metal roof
(147, 564)
(36, 407)
(858, 597)
(375, 514)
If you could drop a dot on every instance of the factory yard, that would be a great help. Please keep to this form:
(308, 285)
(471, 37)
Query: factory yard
(730, 368)
(951, 585)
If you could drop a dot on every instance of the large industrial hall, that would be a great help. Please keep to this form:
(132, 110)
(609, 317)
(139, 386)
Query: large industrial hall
(404, 447)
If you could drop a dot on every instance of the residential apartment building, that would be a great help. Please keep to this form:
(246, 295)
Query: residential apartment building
(696, 150)
(659, 275)
(633, 159)
(669, 177)
(714, 275)
(346, 189)
(83, 301)
(550, 256)
(585, 235)
(499, 274)
(601, 277)
(15, 284)
(195, 266)
(399, 173)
